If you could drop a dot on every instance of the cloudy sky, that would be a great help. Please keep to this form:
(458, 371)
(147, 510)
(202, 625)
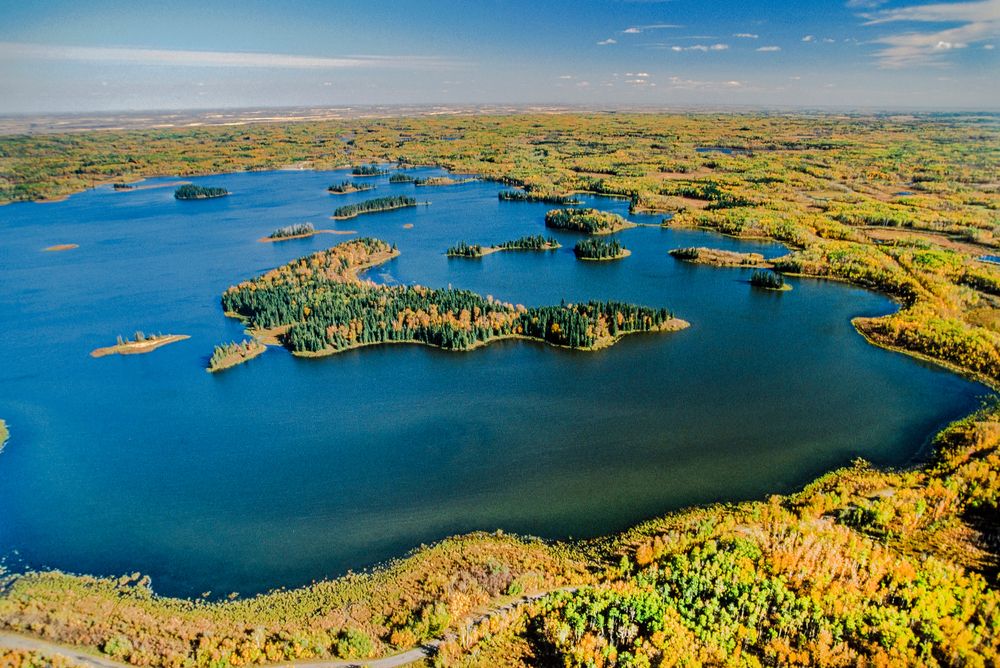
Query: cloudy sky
(86, 56)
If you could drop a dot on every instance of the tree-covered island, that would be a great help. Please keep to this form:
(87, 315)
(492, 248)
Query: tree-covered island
(368, 170)
(600, 249)
(347, 187)
(189, 191)
(528, 196)
(140, 343)
(587, 221)
(230, 354)
(534, 242)
(373, 206)
(316, 305)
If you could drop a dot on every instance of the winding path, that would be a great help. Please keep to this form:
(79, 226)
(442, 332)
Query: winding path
(10, 640)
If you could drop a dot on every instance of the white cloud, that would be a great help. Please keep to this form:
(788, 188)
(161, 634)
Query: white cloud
(606, 42)
(769, 48)
(988, 47)
(977, 21)
(808, 38)
(582, 84)
(182, 58)
(679, 83)
(566, 76)
(827, 40)
(632, 31)
(746, 35)
(701, 47)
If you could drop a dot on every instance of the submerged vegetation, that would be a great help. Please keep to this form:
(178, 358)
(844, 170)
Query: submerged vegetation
(346, 187)
(296, 230)
(321, 308)
(588, 221)
(599, 249)
(233, 353)
(189, 191)
(373, 206)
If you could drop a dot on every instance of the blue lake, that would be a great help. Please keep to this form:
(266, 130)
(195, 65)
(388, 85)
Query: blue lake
(286, 470)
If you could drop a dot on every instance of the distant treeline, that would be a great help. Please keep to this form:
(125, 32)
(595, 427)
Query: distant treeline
(199, 192)
(598, 249)
(328, 310)
(524, 196)
(373, 205)
(588, 221)
(296, 230)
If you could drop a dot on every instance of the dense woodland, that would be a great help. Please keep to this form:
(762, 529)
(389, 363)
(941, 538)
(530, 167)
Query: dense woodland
(588, 221)
(463, 249)
(325, 309)
(400, 177)
(296, 230)
(599, 249)
(189, 191)
(374, 206)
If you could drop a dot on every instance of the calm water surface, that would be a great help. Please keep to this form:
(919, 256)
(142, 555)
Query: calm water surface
(286, 470)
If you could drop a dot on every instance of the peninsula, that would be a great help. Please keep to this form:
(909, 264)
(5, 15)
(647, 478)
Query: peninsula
(317, 306)
(140, 344)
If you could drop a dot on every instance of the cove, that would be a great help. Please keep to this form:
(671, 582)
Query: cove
(286, 470)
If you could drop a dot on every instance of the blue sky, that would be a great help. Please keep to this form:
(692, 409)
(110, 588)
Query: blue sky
(85, 56)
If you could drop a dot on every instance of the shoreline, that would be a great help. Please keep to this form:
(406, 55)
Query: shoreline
(672, 325)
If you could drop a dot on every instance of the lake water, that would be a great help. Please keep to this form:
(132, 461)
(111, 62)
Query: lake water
(286, 470)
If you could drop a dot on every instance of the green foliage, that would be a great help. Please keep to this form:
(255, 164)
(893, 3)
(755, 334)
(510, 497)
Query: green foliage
(462, 249)
(297, 230)
(534, 242)
(588, 221)
(374, 206)
(767, 279)
(368, 170)
(350, 187)
(526, 196)
(190, 191)
(599, 249)
(400, 177)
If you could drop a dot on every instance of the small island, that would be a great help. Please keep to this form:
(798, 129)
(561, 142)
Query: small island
(769, 280)
(600, 250)
(348, 187)
(373, 206)
(719, 258)
(140, 344)
(526, 196)
(587, 221)
(441, 181)
(4, 434)
(368, 170)
(529, 243)
(316, 306)
(189, 192)
(230, 354)
(298, 231)
(60, 247)
(123, 186)
(400, 177)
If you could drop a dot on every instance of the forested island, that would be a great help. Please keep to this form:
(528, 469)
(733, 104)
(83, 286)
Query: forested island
(368, 170)
(587, 221)
(139, 344)
(526, 196)
(296, 231)
(768, 280)
(400, 177)
(189, 191)
(316, 306)
(719, 258)
(527, 243)
(373, 206)
(233, 353)
(347, 187)
(441, 181)
(600, 249)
